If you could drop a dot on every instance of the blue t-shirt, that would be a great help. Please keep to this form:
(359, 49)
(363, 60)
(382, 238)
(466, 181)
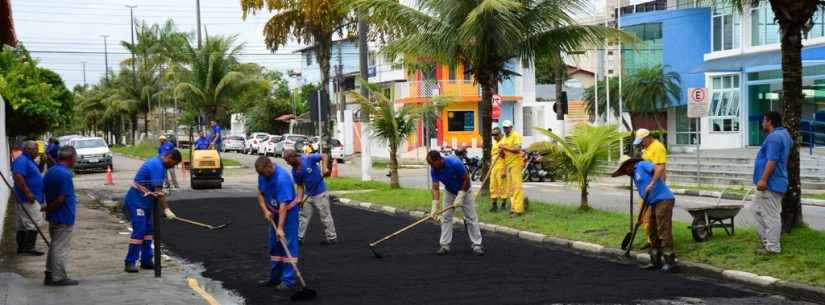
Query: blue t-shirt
(24, 166)
(151, 174)
(309, 174)
(451, 175)
(202, 143)
(216, 132)
(642, 176)
(165, 148)
(277, 189)
(777, 147)
(52, 150)
(58, 181)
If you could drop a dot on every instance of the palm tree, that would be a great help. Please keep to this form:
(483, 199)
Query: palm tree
(484, 35)
(649, 90)
(794, 18)
(306, 21)
(389, 125)
(212, 80)
(587, 148)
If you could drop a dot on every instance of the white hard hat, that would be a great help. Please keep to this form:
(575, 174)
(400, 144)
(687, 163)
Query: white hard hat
(507, 124)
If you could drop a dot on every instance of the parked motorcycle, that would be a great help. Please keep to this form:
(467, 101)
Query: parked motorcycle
(533, 169)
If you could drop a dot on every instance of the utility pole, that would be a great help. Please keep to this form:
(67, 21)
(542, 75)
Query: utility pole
(134, 71)
(363, 57)
(83, 63)
(106, 55)
(198, 15)
(342, 103)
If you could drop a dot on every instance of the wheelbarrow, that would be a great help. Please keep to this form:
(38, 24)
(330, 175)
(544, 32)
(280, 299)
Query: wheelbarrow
(717, 216)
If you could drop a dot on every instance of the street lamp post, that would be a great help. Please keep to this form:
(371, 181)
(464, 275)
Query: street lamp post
(106, 55)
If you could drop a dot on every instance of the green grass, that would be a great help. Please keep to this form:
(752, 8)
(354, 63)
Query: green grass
(820, 196)
(145, 150)
(803, 257)
(705, 187)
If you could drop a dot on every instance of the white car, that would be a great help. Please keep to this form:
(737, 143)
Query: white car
(337, 151)
(92, 153)
(253, 141)
(233, 143)
(268, 146)
(290, 141)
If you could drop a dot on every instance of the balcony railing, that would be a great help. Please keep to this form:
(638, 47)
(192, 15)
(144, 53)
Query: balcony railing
(432, 88)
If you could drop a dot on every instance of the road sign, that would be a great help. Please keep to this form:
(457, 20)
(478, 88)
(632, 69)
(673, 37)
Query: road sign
(697, 102)
(496, 106)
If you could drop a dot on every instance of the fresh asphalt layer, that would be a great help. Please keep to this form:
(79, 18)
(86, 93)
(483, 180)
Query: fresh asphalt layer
(512, 272)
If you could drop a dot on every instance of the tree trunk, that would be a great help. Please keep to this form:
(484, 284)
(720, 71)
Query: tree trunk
(394, 184)
(489, 85)
(584, 204)
(791, 33)
(134, 127)
(323, 51)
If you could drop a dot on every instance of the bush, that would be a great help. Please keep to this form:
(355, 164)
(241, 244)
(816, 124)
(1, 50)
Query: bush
(553, 161)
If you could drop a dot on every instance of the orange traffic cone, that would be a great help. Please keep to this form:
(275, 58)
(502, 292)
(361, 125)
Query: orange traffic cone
(109, 180)
(334, 168)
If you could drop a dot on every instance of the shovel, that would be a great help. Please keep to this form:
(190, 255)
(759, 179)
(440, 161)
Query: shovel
(627, 243)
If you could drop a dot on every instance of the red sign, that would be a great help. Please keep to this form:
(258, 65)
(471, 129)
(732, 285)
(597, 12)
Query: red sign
(496, 106)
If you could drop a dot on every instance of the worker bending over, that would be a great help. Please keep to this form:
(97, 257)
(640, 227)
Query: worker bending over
(510, 145)
(146, 191)
(309, 180)
(659, 201)
(451, 172)
(276, 198)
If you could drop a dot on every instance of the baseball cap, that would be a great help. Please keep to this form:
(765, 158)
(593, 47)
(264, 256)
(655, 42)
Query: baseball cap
(641, 133)
(162, 137)
(507, 124)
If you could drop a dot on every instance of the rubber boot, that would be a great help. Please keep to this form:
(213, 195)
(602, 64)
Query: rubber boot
(21, 242)
(32, 245)
(655, 260)
(493, 209)
(670, 263)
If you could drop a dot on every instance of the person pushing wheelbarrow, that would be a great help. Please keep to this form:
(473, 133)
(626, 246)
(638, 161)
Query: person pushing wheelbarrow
(659, 200)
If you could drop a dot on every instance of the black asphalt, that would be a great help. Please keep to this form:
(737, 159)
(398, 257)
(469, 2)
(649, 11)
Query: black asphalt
(512, 272)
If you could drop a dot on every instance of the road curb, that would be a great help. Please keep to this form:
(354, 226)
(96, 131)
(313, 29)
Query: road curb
(793, 290)
(735, 196)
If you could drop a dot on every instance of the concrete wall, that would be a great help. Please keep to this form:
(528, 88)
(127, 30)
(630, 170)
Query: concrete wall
(4, 166)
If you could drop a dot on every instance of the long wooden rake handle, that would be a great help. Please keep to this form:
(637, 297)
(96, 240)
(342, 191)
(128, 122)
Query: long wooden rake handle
(420, 221)
(289, 256)
(192, 222)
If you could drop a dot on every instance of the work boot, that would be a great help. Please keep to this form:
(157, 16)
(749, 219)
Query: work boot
(655, 260)
(147, 266)
(670, 262)
(131, 268)
(268, 283)
(478, 251)
(31, 241)
(48, 279)
(64, 282)
(329, 242)
(300, 241)
(443, 250)
(766, 252)
(494, 208)
(284, 287)
(21, 242)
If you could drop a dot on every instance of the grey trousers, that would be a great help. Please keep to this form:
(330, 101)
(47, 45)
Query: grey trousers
(58, 256)
(171, 178)
(767, 207)
(321, 203)
(23, 221)
(470, 219)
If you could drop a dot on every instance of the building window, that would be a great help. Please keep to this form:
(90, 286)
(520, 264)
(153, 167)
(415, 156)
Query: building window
(649, 53)
(818, 30)
(452, 73)
(461, 121)
(764, 29)
(726, 26)
(309, 58)
(680, 4)
(687, 129)
(371, 58)
(724, 105)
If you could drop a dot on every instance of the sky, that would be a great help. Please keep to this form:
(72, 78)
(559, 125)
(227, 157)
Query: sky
(62, 34)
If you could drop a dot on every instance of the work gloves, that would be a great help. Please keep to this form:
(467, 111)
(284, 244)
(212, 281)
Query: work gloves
(169, 214)
(459, 198)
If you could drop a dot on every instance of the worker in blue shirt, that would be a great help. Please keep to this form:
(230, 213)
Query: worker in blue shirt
(216, 140)
(309, 179)
(770, 175)
(451, 172)
(60, 211)
(28, 189)
(201, 143)
(146, 191)
(170, 178)
(660, 201)
(51, 151)
(279, 206)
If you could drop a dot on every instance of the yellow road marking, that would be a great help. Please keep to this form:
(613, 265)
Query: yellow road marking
(193, 283)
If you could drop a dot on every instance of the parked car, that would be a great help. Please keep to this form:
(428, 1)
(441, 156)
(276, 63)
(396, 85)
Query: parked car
(290, 141)
(337, 151)
(252, 142)
(268, 146)
(92, 154)
(233, 143)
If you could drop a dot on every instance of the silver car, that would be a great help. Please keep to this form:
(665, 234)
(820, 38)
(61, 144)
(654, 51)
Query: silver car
(233, 143)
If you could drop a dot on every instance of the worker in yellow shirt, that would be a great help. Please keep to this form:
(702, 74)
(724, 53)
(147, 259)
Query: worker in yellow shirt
(498, 187)
(510, 145)
(655, 152)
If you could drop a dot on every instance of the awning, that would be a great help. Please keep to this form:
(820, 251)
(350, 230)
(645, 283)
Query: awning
(760, 61)
(285, 117)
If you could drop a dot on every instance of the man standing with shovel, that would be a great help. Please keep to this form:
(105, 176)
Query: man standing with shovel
(451, 172)
(659, 200)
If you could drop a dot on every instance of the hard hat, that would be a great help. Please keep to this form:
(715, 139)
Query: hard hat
(641, 133)
(507, 124)
(162, 137)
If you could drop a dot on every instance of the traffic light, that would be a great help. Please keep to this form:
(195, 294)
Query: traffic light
(560, 107)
